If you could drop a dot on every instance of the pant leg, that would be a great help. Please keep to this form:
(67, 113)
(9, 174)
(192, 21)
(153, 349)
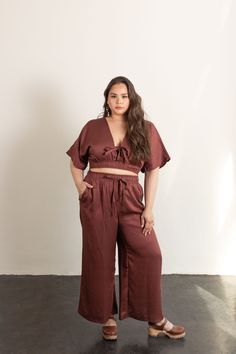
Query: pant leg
(140, 261)
(99, 231)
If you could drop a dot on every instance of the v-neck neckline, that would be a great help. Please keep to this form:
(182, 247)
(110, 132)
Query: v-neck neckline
(111, 136)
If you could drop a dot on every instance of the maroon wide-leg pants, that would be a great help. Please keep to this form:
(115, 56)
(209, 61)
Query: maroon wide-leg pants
(109, 213)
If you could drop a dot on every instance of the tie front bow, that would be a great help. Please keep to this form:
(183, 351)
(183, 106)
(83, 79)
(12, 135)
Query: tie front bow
(121, 152)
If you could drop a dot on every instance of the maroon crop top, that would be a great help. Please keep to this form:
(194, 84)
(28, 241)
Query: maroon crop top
(95, 145)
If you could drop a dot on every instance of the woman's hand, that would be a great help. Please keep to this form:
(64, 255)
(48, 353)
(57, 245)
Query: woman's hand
(82, 186)
(147, 221)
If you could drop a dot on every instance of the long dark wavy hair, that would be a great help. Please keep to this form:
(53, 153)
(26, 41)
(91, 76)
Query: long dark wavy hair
(137, 130)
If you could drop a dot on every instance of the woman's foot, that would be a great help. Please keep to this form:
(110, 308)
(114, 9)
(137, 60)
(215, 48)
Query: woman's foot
(109, 329)
(166, 327)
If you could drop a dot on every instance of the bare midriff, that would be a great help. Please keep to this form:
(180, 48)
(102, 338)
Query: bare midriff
(117, 171)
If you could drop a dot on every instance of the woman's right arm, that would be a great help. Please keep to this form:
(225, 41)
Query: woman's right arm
(78, 176)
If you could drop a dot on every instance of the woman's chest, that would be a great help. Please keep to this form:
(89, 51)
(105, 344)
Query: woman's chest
(109, 142)
(116, 130)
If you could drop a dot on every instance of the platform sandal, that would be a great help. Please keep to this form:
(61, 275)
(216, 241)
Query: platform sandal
(110, 331)
(166, 328)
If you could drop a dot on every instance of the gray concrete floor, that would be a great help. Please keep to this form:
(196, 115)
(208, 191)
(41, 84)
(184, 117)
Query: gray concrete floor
(38, 315)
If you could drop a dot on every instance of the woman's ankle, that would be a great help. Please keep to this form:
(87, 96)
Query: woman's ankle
(159, 323)
(110, 321)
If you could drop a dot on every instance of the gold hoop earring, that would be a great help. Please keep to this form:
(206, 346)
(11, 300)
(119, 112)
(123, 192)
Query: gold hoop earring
(107, 110)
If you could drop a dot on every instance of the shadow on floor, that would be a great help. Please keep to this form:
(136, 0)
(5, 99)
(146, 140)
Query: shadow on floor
(38, 315)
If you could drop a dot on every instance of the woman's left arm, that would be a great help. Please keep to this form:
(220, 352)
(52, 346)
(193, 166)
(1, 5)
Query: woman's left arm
(150, 186)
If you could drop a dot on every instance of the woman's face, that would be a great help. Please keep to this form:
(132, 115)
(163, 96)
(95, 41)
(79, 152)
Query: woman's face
(118, 97)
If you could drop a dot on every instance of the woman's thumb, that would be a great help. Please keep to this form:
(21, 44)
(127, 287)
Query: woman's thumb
(142, 221)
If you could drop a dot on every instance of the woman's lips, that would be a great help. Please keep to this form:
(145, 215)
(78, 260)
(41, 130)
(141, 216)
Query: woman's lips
(119, 107)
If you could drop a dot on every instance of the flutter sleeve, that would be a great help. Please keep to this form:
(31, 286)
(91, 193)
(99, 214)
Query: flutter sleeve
(79, 150)
(159, 155)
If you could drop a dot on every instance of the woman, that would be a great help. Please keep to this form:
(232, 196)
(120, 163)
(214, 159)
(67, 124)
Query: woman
(118, 146)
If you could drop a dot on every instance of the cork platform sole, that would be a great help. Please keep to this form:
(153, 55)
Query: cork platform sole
(156, 332)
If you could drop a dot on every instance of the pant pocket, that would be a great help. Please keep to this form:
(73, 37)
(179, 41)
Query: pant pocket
(88, 192)
(140, 191)
(137, 194)
(82, 196)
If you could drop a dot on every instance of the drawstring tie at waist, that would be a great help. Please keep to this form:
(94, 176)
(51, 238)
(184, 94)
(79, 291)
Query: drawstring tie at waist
(121, 183)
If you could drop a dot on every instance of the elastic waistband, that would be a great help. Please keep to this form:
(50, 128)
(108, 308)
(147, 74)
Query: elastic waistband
(99, 175)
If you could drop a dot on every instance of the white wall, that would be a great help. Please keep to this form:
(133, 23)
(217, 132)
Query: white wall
(56, 59)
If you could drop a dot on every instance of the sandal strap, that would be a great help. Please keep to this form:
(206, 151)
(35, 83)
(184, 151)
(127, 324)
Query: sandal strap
(168, 325)
(111, 325)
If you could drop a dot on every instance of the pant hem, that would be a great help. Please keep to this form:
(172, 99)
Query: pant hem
(145, 319)
(93, 319)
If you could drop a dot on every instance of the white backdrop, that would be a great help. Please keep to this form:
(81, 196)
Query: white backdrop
(56, 59)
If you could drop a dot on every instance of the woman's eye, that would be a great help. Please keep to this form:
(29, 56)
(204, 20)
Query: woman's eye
(122, 96)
